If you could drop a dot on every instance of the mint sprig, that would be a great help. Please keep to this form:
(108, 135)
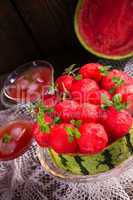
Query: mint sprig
(70, 70)
(6, 138)
(104, 70)
(118, 104)
(73, 133)
(41, 121)
(118, 82)
(44, 126)
(79, 77)
(76, 123)
(106, 101)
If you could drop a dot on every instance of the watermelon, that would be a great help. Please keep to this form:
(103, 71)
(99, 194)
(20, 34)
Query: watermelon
(109, 158)
(105, 27)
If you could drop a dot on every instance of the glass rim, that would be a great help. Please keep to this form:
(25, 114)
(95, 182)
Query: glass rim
(18, 71)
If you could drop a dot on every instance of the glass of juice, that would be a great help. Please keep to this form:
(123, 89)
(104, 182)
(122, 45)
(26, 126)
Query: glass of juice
(15, 132)
(28, 83)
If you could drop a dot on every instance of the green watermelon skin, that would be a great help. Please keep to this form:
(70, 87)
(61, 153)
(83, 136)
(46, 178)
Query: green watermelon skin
(106, 160)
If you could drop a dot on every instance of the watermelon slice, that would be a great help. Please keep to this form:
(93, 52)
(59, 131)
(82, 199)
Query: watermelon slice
(109, 158)
(105, 27)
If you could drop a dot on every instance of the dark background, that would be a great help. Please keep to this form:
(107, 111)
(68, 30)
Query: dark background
(39, 29)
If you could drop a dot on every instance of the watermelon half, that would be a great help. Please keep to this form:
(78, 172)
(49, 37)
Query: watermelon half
(105, 27)
(109, 158)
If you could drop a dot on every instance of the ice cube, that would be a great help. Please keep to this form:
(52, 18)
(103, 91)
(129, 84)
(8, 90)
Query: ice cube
(7, 148)
(23, 84)
(32, 88)
(17, 133)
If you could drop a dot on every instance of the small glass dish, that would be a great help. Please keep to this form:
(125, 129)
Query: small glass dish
(8, 100)
(50, 167)
(15, 117)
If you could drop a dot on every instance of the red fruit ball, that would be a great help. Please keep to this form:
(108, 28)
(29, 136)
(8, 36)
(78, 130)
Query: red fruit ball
(116, 123)
(95, 97)
(66, 109)
(60, 139)
(126, 92)
(50, 100)
(87, 113)
(41, 138)
(64, 82)
(93, 138)
(108, 83)
(81, 88)
(92, 71)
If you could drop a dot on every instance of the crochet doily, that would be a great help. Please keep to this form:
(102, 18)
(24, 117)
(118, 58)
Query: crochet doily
(25, 179)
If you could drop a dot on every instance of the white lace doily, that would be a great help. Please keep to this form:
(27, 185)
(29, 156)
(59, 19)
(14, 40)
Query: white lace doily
(25, 179)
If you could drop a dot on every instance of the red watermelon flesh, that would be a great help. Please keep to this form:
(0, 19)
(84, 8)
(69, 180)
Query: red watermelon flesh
(107, 25)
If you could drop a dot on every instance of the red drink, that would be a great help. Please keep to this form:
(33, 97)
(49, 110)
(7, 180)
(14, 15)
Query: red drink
(30, 85)
(15, 138)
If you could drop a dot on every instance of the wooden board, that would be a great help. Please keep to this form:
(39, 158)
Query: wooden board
(50, 21)
(16, 45)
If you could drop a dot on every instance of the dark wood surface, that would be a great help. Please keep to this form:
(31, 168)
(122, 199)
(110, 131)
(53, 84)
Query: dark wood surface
(50, 22)
(38, 29)
(16, 45)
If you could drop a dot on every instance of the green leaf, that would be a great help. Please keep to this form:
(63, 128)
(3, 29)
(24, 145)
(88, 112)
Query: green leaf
(112, 90)
(69, 69)
(106, 100)
(118, 81)
(50, 110)
(104, 70)
(70, 138)
(45, 128)
(104, 106)
(118, 104)
(117, 98)
(77, 133)
(76, 122)
(79, 77)
(41, 119)
(57, 120)
(70, 133)
(6, 138)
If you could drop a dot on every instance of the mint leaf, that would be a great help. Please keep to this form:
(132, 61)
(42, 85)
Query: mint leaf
(104, 70)
(117, 98)
(79, 77)
(76, 122)
(49, 110)
(6, 138)
(70, 133)
(45, 128)
(77, 133)
(41, 119)
(70, 138)
(112, 90)
(106, 100)
(69, 69)
(57, 120)
(118, 104)
(118, 81)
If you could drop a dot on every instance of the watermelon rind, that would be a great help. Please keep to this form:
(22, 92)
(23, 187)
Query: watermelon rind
(108, 159)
